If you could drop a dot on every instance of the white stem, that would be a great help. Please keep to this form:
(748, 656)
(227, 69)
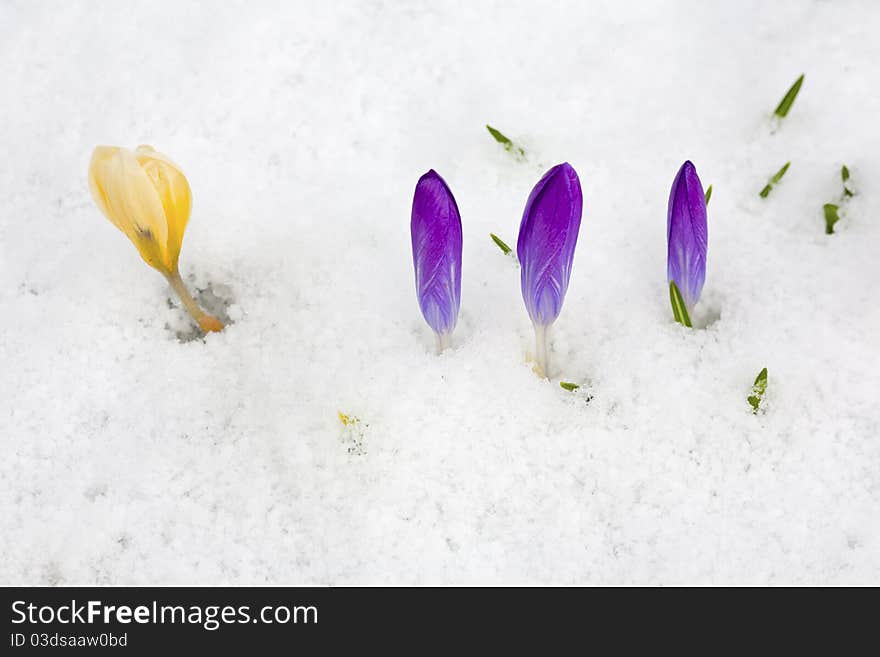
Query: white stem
(542, 350)
(442, 341)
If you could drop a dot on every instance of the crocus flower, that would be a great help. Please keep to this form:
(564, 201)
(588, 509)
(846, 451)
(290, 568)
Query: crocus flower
(547, 236)
(687, 235)
(146, 196)
(436, 242)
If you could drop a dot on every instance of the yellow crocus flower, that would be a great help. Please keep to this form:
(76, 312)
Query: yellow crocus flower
(146, 196)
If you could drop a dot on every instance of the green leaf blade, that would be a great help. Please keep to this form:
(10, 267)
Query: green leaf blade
(499, 137)
(571, 387)
(844, 176)
(758, 390)
(708, 194)
(831, 217)
(775, 179)
(788, 100)
(501, 245)
(507, 143)
(761, 381)
(679, 309)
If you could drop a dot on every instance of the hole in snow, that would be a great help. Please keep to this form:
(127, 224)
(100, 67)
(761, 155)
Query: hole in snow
(216, 299)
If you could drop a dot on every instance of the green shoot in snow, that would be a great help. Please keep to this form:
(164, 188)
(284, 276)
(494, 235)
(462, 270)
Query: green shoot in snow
(679, 310)
(831, 217)
(774, 180)
(788, 100)
(517, 151)
(844, 175)
(501, 245)
(758, 390)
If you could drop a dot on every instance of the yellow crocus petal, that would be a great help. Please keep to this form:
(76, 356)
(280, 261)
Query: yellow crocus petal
(125, 193)
(174, 193)
(100, 156)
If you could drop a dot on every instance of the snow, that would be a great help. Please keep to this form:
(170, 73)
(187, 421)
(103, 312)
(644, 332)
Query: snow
(134, 455)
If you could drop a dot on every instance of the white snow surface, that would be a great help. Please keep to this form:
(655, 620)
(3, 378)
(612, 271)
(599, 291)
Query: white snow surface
(130, 456)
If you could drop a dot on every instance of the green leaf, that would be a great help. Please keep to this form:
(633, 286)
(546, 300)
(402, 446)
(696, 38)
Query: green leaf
(501, 245)
(844, 175)
(761, 381)
(679, 310)
(708, 194)
(571, 387)
(831, 217)
(758, 390)
(775, 179)
(788, 100)
(500, 138)
(509, 146)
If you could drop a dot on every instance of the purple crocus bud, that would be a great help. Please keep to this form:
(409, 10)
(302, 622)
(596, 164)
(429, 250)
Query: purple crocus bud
(687, 235)
(547, 236)
(436, 244)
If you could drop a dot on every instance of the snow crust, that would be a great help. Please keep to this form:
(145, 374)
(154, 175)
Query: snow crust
(133, 455)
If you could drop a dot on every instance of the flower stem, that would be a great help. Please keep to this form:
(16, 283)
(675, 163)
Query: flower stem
(206, 322)
(442, 341)
(542, 350)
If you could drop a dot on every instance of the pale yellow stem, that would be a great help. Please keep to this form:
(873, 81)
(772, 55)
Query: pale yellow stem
(442, 341)
(542, 350)
(205, 321)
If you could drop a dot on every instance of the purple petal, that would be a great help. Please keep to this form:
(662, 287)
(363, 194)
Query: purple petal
(687, 234)
(436, 243)
(547, 236)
